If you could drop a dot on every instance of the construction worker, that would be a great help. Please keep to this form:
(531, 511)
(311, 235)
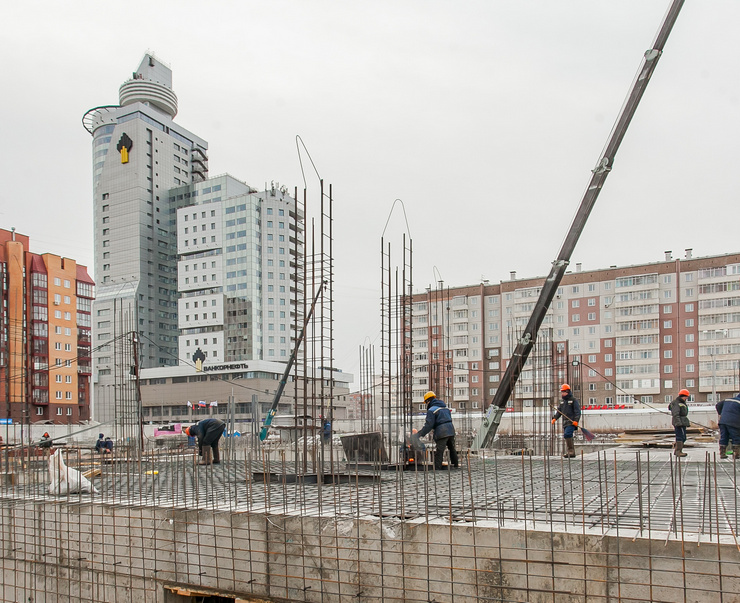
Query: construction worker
(45, 441)
(439, 419)
(680, 420)
(570, 411)
(208, 432)
(729, 426)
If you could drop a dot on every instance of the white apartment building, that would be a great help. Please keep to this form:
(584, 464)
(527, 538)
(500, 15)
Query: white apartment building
(621, 335)
(236, 274)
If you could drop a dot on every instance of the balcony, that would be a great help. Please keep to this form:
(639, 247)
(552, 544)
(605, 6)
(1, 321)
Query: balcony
(40, 397)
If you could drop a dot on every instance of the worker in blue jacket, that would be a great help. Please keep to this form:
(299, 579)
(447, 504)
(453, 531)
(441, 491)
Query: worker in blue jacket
(439, 419)
(729, 426)
(208, 432)
(570, 411)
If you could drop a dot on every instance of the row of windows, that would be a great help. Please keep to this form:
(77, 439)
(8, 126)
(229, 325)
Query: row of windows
(203, 227)
(202, 215)
(195, 304)
(195, 241)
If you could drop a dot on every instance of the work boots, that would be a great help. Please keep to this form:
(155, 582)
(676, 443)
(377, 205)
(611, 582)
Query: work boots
(207, 456)
(722, 452)
(679, 449)
(570, 449)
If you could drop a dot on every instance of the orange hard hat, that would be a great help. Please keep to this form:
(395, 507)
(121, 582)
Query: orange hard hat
(186, 431)
(684, 392)
(565, 387)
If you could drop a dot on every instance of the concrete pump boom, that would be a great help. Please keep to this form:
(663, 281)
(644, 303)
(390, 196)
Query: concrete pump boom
(491, 421)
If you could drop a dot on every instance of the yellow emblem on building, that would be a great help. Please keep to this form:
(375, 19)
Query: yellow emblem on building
(125, 144)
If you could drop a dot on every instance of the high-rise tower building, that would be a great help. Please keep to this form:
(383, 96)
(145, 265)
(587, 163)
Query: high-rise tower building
(139, 154)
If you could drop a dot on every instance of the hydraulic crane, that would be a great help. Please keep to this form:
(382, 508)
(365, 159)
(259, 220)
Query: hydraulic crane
(491, 421)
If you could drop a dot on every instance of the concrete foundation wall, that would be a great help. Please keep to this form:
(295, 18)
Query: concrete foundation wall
(81, 552)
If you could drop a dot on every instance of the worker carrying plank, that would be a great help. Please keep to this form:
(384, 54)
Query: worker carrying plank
(570, 411)
(439, 419)
(208, 432)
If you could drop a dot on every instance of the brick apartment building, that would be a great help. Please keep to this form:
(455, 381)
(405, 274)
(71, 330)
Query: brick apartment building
(621, 335)
(45, 321)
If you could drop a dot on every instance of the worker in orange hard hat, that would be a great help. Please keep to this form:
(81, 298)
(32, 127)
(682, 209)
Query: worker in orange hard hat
(680, 419)
(45, 441)
(570, 411)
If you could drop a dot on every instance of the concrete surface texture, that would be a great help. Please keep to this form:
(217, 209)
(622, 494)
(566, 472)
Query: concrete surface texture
(615, 525)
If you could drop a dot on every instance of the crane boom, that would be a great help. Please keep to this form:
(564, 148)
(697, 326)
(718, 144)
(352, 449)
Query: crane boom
(491, 421)
(279, 392)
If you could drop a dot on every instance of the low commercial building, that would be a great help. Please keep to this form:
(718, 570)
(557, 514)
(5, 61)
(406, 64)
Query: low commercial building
(183, 394)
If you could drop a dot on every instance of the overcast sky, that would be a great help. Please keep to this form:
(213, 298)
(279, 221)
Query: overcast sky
(484, 117)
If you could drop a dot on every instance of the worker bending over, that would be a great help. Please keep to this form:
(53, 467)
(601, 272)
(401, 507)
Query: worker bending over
(208, 432)
(570, 411)
(439, 419)
(729, 426)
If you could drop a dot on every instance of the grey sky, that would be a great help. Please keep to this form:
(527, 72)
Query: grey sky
(483, 117)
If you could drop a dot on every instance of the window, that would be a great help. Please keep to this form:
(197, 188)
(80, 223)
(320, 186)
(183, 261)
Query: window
(668, 368)
(667, 324)
(690, 368)
(689, 292)
(592, 387)
(689, 338)
(575, 303)
(668, 339)
(667, 309)
(689, 322)
(689, 307)
(668, 354)
(592, 301)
